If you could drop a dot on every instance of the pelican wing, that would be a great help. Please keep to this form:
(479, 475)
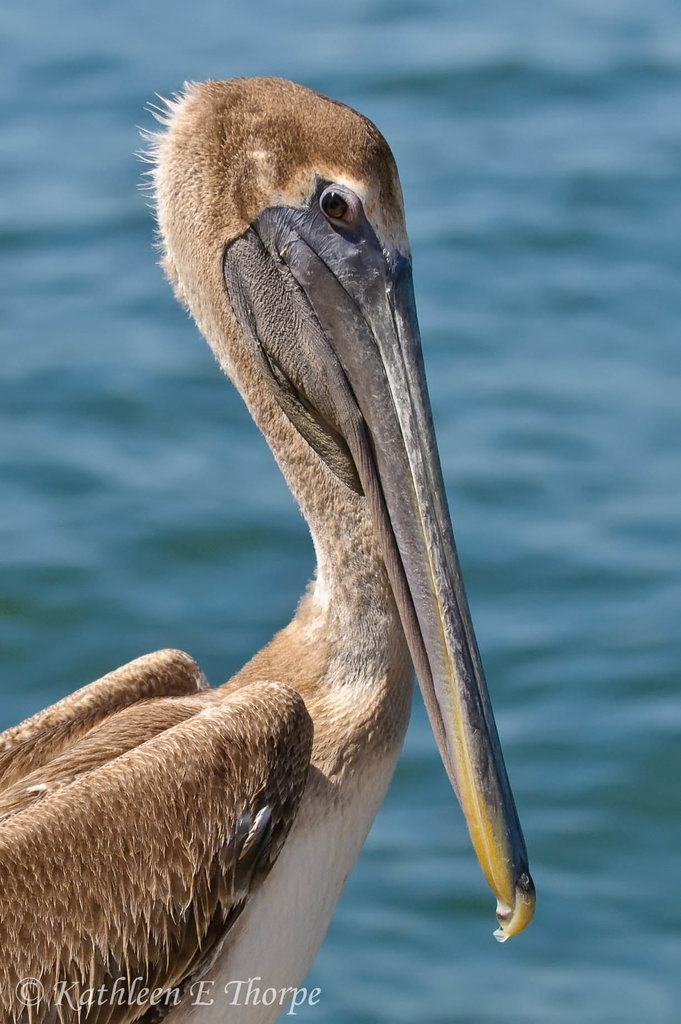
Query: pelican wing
(36, 740)
(126, 857)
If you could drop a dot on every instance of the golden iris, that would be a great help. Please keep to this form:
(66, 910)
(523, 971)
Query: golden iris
(334, 205)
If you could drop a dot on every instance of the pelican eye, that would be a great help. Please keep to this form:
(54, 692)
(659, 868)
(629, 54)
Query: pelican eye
(334, 205)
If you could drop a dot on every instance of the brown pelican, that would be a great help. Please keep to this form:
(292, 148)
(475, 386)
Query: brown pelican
(159, 838)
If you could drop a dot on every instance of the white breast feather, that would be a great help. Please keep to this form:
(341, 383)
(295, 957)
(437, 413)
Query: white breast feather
(280, 931)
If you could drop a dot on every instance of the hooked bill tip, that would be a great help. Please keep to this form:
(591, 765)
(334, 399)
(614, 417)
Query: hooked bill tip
(513, 920)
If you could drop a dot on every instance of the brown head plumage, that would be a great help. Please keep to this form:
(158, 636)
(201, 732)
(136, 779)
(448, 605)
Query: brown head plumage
(234, 147)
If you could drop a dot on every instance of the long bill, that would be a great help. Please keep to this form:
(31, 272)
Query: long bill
(365, 336)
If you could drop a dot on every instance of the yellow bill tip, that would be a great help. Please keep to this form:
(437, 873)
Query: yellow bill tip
(513, 919)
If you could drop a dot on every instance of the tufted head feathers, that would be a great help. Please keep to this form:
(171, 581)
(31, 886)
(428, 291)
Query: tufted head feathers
(233, 148)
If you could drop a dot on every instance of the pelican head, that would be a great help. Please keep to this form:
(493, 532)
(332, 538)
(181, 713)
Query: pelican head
(282, 227)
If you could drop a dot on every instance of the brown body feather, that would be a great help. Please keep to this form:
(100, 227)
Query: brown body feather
(134, 861)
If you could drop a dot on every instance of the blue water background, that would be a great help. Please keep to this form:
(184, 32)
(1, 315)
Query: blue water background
(539, 146)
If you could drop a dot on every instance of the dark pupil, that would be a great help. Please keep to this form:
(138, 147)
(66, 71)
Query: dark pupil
(334, 205)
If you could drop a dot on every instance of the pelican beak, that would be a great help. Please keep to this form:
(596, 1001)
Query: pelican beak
(352, 380)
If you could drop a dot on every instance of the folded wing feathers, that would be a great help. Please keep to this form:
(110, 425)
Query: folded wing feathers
(167, 673)
(153, 829)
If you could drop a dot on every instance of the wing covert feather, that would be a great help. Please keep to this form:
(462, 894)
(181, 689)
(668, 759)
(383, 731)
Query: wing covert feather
(138, 867)
(36, 740)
